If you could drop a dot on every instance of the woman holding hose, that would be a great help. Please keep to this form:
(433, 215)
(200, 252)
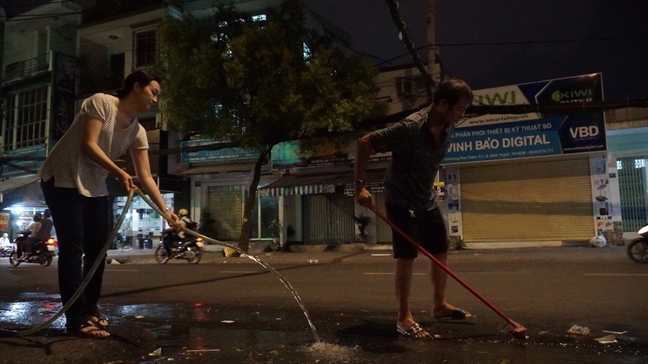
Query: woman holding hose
(73, 180)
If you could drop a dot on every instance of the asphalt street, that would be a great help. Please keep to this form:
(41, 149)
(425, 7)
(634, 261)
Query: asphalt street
(231, 310)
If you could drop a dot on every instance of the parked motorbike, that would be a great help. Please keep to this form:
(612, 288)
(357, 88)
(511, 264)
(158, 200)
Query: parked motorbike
(638, 248)
(189, 248)
(6, 250)
(42, 252)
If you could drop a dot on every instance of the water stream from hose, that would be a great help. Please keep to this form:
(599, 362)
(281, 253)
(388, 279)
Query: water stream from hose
(265, 265)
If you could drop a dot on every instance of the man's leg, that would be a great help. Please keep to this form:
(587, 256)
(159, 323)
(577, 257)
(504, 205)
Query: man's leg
(404, 255)
(435, 241)
(439, 280)
(403, 289)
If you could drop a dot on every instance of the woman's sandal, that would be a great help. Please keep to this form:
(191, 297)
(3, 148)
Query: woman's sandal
(99, 321)
(91, 331)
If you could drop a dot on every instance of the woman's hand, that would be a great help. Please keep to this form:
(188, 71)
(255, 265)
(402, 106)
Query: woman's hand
(175, 221)
(126, 181)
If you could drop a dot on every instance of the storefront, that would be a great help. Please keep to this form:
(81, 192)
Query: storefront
(220, 182)
(530, 179)
(142, 227)
(628, 149)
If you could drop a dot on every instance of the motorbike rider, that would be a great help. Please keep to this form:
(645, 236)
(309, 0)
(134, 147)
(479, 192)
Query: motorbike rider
(43, 233)
(172, 235)
(24, 245)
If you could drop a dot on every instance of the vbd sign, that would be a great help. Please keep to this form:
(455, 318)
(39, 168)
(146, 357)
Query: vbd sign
(496, 137)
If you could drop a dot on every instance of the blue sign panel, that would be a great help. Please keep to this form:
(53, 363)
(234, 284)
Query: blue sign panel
(529, 138)
(496, 137)
(226, 154)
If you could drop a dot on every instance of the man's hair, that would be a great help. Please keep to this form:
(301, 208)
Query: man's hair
(452, 91)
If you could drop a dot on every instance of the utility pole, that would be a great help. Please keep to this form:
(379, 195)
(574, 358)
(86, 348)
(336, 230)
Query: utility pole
(431, 48)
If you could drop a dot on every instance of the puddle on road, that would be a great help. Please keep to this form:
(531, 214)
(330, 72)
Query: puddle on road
(29, 313)
(331, 352)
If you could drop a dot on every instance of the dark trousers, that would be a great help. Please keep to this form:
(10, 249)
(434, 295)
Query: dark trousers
(82, 227)
(170, 241)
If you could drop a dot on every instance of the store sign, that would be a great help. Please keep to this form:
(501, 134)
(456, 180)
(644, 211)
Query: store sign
(63, 100)
(290, 155)
(497, 137)
(226, 154)
(531, 138)
(4, 221)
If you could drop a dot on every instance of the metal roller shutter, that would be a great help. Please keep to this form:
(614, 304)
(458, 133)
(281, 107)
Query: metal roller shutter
(328, 219)
(528, 201)
(225, 205)
(383, 231)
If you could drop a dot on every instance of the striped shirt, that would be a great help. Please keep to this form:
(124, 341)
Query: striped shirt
(409, 180)
(73, 169)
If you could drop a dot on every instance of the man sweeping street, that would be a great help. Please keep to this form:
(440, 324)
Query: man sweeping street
(418, 145)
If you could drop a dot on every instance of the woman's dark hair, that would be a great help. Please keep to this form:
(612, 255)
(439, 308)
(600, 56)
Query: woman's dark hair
(140, 76)
(452, 91)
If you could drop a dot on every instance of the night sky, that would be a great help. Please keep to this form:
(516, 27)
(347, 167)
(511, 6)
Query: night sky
(492, 43)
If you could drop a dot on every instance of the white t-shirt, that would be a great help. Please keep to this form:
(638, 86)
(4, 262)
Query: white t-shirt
(73, 169)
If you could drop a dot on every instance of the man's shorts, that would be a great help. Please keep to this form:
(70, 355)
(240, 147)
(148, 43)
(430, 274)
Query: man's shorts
(427, 228)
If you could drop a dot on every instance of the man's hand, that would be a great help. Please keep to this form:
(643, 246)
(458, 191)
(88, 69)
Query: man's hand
(363, 197)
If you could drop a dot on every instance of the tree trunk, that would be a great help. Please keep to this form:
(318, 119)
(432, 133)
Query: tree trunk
(250, 200)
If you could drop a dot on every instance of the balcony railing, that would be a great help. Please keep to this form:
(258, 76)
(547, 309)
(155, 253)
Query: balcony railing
(26, 68)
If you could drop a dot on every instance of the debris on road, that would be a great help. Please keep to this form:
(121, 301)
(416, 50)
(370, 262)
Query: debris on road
(579, 330)
(614, 332)
(608, 339)
(201, 350)
(157, 352)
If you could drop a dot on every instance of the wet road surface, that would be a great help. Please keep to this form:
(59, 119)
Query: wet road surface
(242, 315)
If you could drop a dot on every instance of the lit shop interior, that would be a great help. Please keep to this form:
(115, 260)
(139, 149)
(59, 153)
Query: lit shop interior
(142, 227)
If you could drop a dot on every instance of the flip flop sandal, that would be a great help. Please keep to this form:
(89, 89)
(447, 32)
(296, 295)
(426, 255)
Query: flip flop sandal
(458, 314)
(90, 330)
(414, 332)
(99, 321)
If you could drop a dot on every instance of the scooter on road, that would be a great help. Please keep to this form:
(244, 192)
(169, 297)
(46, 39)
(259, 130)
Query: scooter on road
(189, 248)
(638, 248)
(42, 251)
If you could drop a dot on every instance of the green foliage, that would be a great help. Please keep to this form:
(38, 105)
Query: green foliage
(249, 82)
(362, 221)
(275, 228)
(456, 243)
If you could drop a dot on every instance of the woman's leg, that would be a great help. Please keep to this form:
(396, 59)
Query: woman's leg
(97, 228)
(66, 206)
